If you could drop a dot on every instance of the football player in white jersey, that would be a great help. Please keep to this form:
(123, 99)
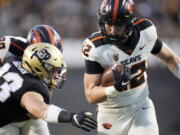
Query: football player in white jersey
(128, 40)
(11, 45)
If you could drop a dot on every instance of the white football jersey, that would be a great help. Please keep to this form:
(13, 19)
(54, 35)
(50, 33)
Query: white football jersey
(97, 49)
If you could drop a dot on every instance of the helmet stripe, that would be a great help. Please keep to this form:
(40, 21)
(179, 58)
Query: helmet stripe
(115, 11)
(45, 35)
(36, 37)
(51, 35)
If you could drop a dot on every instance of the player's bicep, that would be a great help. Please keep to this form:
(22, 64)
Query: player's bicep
(34, 103)
(91, 82)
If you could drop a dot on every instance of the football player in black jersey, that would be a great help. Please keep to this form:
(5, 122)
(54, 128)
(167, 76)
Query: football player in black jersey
(11, 45)
(124, 108)
(26, 85)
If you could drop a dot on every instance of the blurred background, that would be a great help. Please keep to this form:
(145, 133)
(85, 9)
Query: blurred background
(74, 20)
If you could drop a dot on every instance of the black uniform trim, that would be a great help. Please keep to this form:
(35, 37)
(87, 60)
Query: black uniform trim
(142, 23)
(17, 47)
(92, 67)
(131, 43)
(157, 47)
(45, 35)
(97, 38)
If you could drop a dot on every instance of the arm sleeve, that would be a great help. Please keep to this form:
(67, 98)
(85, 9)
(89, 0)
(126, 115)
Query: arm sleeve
(92, 67)
(157, 47)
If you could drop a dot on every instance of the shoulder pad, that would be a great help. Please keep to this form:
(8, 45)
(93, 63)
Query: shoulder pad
(97, 39)
(142, 23)
(17, 45)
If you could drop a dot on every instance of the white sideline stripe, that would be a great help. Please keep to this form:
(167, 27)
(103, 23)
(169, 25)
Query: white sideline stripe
(72, 53)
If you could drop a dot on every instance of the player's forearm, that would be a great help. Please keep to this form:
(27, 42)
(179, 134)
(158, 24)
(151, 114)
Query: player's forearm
(96, 95)
(171, 59)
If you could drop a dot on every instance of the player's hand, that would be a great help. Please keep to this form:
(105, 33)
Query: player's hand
(83, 121)
(121, 79)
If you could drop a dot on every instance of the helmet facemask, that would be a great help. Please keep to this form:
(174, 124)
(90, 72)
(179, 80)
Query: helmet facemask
(117, 13)
(56, 77)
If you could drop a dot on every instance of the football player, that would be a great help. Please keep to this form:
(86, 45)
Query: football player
(26, 85)
(125, 107)
(11, 45)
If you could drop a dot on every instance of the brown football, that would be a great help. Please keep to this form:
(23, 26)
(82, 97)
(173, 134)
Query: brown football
(107, 76)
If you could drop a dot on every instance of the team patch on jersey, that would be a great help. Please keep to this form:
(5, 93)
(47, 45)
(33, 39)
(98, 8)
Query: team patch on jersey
(107, 125)
(116, 57)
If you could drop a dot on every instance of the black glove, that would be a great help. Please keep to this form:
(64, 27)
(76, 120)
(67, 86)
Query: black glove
(83, 121)
(80, 120)
(121, 79)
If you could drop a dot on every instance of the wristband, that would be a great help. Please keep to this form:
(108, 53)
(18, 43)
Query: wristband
(111, 91)
(177, 71)
(52, 114)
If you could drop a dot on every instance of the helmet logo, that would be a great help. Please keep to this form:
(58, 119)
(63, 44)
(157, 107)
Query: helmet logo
(42, 54)
(104, 6)
(130, 7)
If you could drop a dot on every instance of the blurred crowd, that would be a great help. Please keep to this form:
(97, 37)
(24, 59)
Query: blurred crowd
(77, 18)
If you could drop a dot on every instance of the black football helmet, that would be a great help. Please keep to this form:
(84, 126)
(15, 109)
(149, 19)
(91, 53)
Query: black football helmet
(46, 34)
(117, 13)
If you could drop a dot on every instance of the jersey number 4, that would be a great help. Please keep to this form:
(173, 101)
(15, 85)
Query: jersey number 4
(10, 82)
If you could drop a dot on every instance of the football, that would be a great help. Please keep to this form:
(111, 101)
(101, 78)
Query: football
(107, 76)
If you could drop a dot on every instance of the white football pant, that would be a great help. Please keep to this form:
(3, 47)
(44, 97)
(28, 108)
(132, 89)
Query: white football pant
(30, 127)
(136, 119)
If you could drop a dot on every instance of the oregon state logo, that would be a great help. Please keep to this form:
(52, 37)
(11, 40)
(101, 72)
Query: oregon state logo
(107, 125)
(115, 57)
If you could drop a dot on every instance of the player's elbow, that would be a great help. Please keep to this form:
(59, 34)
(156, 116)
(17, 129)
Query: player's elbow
(36, 113)
(91, 101)
(94, 99)
(90, 98)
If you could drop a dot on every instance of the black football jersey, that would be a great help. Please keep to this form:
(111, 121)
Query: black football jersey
(14, 82)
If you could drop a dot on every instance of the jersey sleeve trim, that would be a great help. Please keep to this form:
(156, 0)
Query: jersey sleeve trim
(97, 38)
(139, 21)
(157, 47)
(15, 45)
(142, 23)
(92, 67)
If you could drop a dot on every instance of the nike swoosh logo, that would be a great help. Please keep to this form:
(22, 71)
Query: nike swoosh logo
(142, 47)
(124, 83)
(75, 118)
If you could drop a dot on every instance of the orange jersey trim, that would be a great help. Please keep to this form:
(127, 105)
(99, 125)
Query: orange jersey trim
(15, 45)
(139, 21)
(96, 38)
